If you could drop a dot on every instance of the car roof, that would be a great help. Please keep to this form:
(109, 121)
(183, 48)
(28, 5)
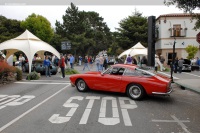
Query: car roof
(126, 66)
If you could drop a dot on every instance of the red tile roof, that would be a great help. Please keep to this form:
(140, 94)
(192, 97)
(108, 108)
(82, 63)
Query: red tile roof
(177, 15)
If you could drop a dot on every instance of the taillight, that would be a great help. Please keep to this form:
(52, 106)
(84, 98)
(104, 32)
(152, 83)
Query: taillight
(169, 87)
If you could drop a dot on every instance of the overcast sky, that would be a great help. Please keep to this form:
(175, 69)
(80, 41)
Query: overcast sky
(111, 14)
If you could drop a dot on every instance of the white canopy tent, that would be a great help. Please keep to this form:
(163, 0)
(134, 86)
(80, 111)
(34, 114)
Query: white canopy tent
(29, 44)
(137, 49)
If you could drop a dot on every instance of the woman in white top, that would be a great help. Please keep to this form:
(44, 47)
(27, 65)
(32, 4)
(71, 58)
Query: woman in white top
(157, 62)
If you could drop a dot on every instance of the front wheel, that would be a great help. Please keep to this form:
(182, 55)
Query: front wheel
(81, 85)
(135, 91)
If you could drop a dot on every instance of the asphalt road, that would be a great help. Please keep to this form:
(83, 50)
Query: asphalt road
(53, 106)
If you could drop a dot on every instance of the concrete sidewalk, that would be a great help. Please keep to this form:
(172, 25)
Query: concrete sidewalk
(190, 84)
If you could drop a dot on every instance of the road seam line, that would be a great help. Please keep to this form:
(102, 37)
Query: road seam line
(38, 83)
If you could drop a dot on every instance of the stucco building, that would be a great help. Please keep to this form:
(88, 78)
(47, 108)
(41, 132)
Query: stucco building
(175, 27)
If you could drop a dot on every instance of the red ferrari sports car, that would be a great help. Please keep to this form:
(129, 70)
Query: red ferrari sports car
(123, 78)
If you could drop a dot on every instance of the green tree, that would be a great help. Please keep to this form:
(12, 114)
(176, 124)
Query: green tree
(56, 41)
(9, 28)
(85, 30)
(39, 26)
(187, 6)
(133, 29)
(191, 50)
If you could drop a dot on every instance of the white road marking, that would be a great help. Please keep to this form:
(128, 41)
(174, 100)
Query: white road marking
(192, 74)
(39, 83)
(10, 98)
(56, 118)
(168, 75)
(88, 109)
(3, 96)
(20, 100)
(30, 110)
(48, 81)
(14, 100)
(102, 114)
(124, 107)
(180, 122)
(130, 104)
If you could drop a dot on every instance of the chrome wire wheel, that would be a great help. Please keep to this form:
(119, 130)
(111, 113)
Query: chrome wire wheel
(135, 92)
(81, 85)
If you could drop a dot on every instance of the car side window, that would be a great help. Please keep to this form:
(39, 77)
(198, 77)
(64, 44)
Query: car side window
(117, 71)
(114, 71)
(130, 72)
(121, 71)
(108, 71)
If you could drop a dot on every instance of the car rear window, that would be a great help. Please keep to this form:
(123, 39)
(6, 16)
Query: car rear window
(137, 72)
(144, 72)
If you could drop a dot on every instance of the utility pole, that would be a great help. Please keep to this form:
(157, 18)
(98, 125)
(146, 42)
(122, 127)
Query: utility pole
(172, 63)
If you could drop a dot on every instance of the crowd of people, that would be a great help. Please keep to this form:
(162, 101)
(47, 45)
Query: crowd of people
(100, 62)
(159, 62)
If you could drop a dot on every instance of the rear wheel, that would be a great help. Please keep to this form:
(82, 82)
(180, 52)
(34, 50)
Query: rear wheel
(81, 85)
(135, 91)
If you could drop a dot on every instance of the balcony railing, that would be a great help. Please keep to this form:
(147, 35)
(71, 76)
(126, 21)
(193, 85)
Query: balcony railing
(177, 33)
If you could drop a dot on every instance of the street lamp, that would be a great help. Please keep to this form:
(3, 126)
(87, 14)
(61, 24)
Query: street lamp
(173, 58)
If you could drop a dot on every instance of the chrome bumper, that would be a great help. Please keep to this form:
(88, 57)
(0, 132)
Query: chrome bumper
(165, 94)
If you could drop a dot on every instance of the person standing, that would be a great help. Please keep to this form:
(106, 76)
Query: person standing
(97, 62)
(162, 60)
(198, 62)
(180, 64)
(134, 61)
(101, 62)
(66, 61)
(62, 65)
(53, 58)
(129, 59)
(21, 61)
(156, 63)
(105, 63)
(71, 59)
(14, 59)
(144, 61)
(79, 60)
(47, 64)
(175, 65)
(86, 63)
(90, 61)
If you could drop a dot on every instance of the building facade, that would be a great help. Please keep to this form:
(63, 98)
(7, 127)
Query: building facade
(176, 28)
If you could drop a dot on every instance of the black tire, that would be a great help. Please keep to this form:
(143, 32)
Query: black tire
(135, 91)
(81, 85)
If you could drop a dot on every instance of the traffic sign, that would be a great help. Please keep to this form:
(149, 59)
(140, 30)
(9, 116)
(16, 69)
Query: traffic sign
(65, 45)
